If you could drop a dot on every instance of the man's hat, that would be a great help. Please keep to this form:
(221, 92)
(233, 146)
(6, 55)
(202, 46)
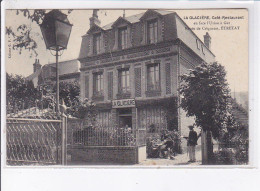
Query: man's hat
(190, 127)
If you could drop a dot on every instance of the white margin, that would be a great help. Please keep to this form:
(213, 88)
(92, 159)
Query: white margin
(84, 175)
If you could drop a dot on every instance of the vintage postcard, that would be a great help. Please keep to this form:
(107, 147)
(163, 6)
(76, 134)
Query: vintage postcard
(152, 87)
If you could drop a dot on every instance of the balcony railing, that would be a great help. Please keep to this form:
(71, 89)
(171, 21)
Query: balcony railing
(98, 96)
(123, 94)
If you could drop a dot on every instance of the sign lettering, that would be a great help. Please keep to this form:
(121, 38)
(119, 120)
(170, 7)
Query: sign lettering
(123, 103)
(131, 56)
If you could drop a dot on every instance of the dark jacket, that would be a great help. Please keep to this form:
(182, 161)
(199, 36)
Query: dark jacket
(192, 139)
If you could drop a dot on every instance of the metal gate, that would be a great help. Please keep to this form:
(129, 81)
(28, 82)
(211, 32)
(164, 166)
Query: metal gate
(33, 141)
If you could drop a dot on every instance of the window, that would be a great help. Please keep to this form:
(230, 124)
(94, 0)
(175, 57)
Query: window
(122, 38)
(124, 81)
(98, 84)
(96, 43)
(197, 42)
(153, 77)
(152, 31)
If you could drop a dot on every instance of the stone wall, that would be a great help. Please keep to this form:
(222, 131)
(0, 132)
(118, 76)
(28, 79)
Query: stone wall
(106, 155)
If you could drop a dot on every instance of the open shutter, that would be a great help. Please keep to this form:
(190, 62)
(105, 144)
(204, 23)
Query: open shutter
(110, 85)
(87, 86)
(168, 77)
(138, 82)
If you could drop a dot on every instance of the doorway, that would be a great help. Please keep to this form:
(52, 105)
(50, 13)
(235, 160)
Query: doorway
(125, 118)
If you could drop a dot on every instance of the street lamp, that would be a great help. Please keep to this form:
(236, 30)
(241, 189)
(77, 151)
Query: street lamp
(56, 30)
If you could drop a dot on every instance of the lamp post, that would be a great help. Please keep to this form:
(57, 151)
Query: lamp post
(56, 30)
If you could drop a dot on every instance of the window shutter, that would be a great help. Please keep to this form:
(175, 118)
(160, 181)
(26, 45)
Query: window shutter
(86, 86)
(168, 77)
(110, 85)
(138, 82)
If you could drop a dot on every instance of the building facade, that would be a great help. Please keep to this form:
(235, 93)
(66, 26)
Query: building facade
(46, 74)
(130, 69)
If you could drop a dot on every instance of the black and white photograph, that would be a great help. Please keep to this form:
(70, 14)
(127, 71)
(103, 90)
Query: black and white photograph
(126, 87)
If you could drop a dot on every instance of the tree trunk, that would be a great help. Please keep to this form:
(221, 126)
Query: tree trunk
(206, 147)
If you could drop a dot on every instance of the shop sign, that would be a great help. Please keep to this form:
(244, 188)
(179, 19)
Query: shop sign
(123, 103)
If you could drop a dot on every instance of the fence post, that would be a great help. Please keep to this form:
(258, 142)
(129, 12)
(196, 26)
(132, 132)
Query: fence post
(64, 139)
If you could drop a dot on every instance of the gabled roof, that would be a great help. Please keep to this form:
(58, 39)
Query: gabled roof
(93, 28)
(120, 19)
(66, 67)
(130, 19)
(150, 11)
(136, 18)
(33, 75)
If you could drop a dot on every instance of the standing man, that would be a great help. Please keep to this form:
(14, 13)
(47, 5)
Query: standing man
(191, 143)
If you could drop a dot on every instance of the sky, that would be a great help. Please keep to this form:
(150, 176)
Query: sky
(229, 46)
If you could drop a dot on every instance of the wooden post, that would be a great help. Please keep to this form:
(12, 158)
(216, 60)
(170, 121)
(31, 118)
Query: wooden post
(64, 140)
(204, 148)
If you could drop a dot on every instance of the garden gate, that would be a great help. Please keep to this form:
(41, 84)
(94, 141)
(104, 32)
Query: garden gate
(33, 141)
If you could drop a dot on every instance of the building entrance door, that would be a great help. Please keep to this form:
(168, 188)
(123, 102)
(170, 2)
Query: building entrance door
(125, 118)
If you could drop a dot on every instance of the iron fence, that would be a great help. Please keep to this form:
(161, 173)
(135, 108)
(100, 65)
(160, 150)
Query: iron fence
(80, 134)
(33, 141)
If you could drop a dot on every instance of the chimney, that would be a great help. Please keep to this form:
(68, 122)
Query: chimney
(94, 19)
(207, 40)
(37, 66)
(124, 13)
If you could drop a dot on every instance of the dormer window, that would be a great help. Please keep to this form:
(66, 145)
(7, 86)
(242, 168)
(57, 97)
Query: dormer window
(152, 31)
(97, 43)
(122, 38)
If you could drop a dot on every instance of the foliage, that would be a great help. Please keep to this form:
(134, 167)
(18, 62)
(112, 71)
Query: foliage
(234, 141)
(69, 91)
(85, 109)
(205, 95)
(24, 38)
(223, 157)
(20, 94)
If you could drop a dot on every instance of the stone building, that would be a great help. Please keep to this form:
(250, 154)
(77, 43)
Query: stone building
(46, 74)
(130, 68)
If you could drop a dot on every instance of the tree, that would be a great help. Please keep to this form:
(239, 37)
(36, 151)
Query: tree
(69, 91)
(205, 95)
(84, 109)
(24, 38)
(20, 94)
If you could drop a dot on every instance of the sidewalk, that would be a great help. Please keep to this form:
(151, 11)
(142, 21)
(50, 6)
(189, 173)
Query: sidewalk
(180, 159)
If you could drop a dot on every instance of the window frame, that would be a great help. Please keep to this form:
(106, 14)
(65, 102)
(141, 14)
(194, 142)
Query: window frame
(148, 35)
(96, 49)
(156, 85)
(127, 88)
(121, 45)
(98, 87)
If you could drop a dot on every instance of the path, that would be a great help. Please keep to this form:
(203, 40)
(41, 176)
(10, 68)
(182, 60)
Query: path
(180, 159)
